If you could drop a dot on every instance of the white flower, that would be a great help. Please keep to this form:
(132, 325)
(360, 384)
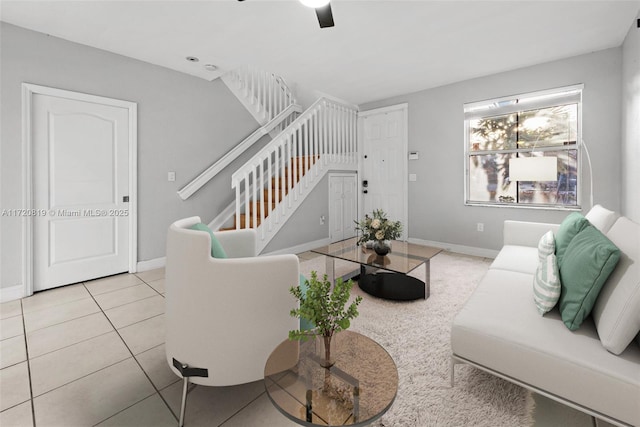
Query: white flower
(379, 234)
(375, 224)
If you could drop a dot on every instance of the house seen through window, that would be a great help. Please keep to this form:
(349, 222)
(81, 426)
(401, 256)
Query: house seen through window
(540, 124)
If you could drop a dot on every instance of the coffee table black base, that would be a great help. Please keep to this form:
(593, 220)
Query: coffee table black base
(392, 286)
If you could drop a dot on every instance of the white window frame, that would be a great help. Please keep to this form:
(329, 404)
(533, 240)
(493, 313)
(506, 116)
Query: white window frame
(526, 101)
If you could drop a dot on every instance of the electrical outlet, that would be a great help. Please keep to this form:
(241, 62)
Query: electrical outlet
(321, 219)
(171, 176)
(480, 226)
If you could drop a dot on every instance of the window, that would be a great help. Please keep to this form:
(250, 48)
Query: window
(540, 124)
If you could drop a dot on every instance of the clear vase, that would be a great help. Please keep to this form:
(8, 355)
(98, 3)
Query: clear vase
(324, 351)
(381, 247)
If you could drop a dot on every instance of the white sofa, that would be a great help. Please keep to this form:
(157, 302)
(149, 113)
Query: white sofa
(500, 331)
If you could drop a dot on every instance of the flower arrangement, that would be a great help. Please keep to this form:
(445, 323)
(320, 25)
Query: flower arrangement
(378, 228)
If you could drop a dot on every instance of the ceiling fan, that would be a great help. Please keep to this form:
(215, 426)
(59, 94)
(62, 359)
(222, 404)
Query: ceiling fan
(323, 11)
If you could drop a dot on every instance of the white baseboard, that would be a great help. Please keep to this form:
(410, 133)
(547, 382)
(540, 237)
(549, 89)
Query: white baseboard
(151, 264)
(304, 247)
(461, 249)
(11, 293)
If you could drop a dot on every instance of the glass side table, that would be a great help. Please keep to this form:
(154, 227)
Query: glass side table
(358, 389)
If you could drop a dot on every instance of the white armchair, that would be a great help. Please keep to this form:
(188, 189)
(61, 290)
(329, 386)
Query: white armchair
(224, 316)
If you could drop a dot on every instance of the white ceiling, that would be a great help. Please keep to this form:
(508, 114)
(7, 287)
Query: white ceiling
(376, 50)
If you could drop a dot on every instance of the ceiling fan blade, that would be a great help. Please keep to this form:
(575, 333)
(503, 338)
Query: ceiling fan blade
(325, 17)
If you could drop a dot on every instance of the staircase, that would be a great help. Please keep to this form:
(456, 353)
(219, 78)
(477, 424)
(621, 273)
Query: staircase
(278, 189)
(275, 182)
(264, 94)
(271, 186)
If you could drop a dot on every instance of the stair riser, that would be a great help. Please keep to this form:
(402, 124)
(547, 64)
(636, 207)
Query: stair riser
(259, 208)
(243, 221)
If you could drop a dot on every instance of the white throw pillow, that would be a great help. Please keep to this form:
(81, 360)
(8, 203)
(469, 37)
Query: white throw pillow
(546, 281)
(617, 309)
(601, 218)
(546, 245)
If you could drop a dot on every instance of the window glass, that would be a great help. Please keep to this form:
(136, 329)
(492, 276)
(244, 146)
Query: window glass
(546, 125)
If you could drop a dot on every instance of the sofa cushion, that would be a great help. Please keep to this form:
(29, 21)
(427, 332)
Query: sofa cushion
(217, 251)
(589, 260)
(573, 224)
(541, 352)
(523, 259)
(601, 218)
(617, 310)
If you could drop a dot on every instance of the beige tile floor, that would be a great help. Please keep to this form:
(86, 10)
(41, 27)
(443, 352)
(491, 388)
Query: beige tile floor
(92, 354)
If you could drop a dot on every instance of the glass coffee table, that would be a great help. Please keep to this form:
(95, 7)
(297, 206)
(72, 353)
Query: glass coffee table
(358, 389)
(384, 276)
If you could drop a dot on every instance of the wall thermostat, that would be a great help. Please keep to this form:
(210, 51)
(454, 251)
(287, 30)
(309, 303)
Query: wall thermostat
(413, 155)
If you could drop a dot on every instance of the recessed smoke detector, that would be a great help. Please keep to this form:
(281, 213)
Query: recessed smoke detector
(210, 67)
(192, 59)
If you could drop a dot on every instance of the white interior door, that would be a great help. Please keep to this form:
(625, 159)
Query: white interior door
(336, 206)
(343, 203)
(80, 163)
(384, 162)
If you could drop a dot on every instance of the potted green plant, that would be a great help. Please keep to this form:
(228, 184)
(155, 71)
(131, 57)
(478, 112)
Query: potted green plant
(324, 307)
(379, 229)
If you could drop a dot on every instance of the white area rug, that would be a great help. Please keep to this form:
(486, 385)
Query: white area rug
(417, 335)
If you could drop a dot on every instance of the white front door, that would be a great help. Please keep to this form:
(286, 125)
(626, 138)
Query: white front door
(384, 162)
(80, 164)
(343, 202)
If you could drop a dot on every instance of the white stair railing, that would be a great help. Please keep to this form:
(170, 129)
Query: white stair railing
(274, 182)
(264, 94)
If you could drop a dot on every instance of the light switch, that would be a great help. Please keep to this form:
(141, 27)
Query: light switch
(413, 177)
(171, 176)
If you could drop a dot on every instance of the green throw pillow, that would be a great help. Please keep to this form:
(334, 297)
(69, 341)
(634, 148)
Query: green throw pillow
(573, 224)
(216, 248)
(546, 281)
(589, 260)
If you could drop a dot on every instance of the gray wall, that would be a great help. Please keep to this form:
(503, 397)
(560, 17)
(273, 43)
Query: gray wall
(184, 124)
(304, 225)
(631, 124)
(436, 206)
